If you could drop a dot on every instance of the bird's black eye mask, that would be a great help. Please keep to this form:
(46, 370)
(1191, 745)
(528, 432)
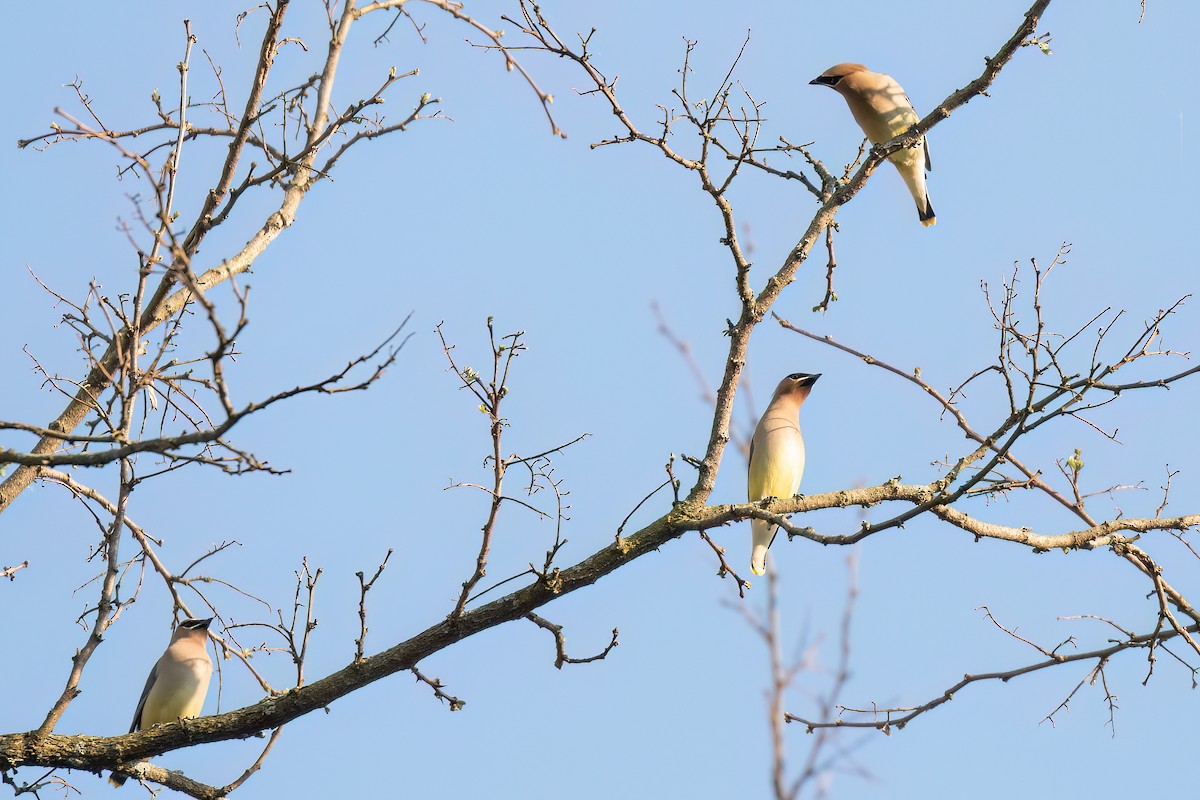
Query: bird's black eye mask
(195, 624)
(825, 80)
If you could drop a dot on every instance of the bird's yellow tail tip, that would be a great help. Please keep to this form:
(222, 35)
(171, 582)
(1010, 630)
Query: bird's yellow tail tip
(928, 223)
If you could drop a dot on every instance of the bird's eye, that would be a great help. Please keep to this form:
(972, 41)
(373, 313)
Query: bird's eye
(795, 376)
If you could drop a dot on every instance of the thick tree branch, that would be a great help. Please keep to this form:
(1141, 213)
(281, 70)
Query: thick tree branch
(86, 752)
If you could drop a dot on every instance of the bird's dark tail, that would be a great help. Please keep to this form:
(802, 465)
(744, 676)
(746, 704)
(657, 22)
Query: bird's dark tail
(117, 779)
(927, 216)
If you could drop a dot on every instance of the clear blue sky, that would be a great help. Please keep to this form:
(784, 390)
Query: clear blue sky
(487, 214)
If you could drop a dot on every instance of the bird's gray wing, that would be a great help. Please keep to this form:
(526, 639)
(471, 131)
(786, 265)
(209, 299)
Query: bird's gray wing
(137, 715)
(749, 461)
(928, 161)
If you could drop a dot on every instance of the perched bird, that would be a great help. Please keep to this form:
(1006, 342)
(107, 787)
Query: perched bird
(883, 111)
(776, 457)
(177, 684)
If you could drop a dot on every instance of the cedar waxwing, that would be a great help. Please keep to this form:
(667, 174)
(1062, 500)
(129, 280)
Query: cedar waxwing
(776, 457)
(883, 111)
(177, 684)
